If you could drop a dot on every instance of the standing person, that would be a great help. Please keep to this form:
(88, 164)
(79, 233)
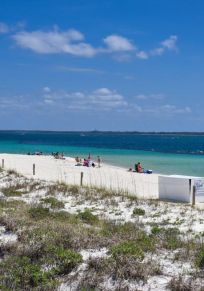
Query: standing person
(99, 161)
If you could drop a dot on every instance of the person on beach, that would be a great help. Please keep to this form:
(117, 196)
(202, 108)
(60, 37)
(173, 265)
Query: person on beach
(139, 168)
(99, 161)
(77, 159)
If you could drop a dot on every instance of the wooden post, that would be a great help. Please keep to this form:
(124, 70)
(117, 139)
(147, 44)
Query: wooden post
(81, 180)
(33, 169)
(2, 163)
(193, 195)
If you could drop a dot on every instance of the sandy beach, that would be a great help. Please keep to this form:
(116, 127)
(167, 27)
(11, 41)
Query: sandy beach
(110, 177)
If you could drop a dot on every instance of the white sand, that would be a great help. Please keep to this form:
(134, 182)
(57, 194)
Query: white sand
(110, 177)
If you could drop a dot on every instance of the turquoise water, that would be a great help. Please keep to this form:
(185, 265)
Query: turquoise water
(162, 153)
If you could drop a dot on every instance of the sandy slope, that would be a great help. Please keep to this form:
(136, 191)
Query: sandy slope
(110, 177)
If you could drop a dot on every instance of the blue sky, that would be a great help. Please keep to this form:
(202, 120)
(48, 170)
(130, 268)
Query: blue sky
(105, 65)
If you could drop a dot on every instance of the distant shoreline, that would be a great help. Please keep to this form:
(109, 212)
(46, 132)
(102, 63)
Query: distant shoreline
(107, 132)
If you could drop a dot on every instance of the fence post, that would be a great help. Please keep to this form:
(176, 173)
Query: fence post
(33, 169)
(193, 195)
(81, 180)
(2, 163)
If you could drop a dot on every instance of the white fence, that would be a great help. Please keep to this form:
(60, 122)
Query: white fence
(109, 177)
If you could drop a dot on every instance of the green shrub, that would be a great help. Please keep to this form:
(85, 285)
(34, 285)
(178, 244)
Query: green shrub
(111, 228)
(87, 216)
(127, 248)
(155, 230)
(65, 260)
(146, 242)
(64, 216)
(10, 191)
(138, 211)
(39, 212)
(171, 239)
(54, 203)
(19, 273)
(12, 203)
(199, 260)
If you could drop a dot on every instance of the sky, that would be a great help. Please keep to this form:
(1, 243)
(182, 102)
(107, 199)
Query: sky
(118, 65)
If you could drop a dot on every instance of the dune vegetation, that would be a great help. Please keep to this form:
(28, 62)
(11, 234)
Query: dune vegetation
(55, 236)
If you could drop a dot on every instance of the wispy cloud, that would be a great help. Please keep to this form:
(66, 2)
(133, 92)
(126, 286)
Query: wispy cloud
(4, 28)
(73, 42)
(46, 89)
(105, 99)
(14, 102)
(169, 44)
(100, 99)
(117, 43)
(79, 70)
(166, 109)
(150, 96)
(172, 109)
(142, 55)
(70, 42)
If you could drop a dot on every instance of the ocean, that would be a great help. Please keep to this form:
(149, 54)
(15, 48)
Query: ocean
(162, 153)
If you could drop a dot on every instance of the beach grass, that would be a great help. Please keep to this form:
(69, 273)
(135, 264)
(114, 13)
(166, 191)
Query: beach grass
(51, 240)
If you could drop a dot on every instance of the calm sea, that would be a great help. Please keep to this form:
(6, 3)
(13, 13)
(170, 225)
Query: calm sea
(163, 153)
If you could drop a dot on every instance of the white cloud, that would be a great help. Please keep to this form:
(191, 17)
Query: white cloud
(4, 28)
(73, 42)
(48, 101)
(168, 44)
(166, 109)
(79, 70)
(46, 89)
(14, 102)
(102, 91)
(69, 42)
(150, 96)
(157, 51)
(142, 55)
(119, 43)
(175, 110)
(105, 99)
(100, 99)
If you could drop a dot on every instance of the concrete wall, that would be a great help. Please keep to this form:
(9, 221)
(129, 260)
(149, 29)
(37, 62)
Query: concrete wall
(175, 188)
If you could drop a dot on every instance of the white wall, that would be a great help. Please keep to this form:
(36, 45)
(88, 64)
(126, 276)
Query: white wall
(174, 188)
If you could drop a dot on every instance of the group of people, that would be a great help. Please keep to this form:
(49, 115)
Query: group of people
(58, 155)
(140, 169)
(88, 162)
(35, 153)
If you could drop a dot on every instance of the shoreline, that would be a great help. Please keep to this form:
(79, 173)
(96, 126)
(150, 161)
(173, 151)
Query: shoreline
(160, 163)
